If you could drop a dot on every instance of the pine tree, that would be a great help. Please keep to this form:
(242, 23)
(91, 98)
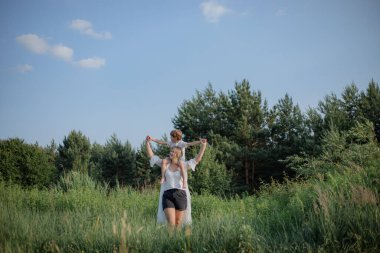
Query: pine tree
(145, 175)
(74, 153)
(370, 105)
(118, 162)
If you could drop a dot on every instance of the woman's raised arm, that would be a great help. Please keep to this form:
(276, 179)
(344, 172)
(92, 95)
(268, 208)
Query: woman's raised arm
(201, 151)
(149, 147)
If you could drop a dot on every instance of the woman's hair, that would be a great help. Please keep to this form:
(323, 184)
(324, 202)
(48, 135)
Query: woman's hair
(176, 134)
(178, 152)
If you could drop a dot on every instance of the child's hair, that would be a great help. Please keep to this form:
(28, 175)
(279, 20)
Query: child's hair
(176, 134)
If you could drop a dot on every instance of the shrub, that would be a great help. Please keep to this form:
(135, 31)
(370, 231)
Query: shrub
(25, 164)
(341, 151)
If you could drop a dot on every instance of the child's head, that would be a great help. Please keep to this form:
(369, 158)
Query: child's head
(176, 135)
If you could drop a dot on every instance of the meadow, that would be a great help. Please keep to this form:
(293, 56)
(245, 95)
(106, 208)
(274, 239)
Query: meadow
(335, 212)
(48, 203)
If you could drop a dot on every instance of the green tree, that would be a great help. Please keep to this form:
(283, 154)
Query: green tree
(370, 106)
(334, 113)
(52, 152)
(228, 153)
(351, 103)
(288, 136)
(74, 153)
(118, 162)
(95, 163)
(314, 126)
(288, 129)
(238, 116)
(257, 140)
(342, 151)
(196, 117)
(353, 107)
(210, 176)
(145, 175)
(342, 113)
(25, 164)
(248, 121)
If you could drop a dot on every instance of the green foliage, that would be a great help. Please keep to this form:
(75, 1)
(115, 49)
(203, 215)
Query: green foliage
(334, 113)
(314, 128)
(238, 116)
(370, 106)
(210, 176)
(351, 102)
(287, 128)
(196, 117)
(250, 142)
(331, 214)
(263, 138)
(26, 164)
(289, 135)
(74, 153)
(350, 150)
(145, 175)
(75, 181)
(228, 153)
(353, 106)
(118, 162)
(95, 163)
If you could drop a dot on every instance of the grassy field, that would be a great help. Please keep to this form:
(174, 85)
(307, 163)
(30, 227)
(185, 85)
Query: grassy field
(338, 212)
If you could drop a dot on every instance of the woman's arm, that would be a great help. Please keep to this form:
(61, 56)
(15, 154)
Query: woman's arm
(201, 151)
(158, 141)
(149, 147)
(193, 143)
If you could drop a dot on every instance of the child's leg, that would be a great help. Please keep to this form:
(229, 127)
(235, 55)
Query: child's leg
(163, 170)
(183, 174)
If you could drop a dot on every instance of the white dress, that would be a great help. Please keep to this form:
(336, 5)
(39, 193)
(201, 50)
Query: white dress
(166, 186)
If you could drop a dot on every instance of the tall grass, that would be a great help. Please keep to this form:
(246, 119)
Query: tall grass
(338, 212)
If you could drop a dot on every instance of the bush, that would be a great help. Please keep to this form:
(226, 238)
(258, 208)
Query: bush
(210, 176)
(341, 151)
(25, 164)
(77, 181)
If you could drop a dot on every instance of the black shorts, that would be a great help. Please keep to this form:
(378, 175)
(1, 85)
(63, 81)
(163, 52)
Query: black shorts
(174, 198)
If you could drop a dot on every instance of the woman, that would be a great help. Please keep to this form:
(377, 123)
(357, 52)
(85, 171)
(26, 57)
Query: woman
(174, 202)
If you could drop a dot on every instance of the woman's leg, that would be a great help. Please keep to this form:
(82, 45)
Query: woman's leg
(179, 218)
(170, 214)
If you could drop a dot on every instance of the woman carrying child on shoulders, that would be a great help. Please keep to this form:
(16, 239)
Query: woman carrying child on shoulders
(175, 201)
(176, 141)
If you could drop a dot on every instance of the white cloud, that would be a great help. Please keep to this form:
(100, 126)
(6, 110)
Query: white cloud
(213, 11)
(85, 27)
(33, 43)
(62, 52)
(37, 45)
(24, 68)
(80, 24)
(281, 12)
(92, 63)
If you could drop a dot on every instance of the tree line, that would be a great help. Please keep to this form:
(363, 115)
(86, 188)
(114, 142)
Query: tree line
(250, 143)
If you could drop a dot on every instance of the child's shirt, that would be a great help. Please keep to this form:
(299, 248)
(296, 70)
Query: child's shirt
(181, 144)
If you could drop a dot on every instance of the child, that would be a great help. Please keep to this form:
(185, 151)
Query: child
(176, 141)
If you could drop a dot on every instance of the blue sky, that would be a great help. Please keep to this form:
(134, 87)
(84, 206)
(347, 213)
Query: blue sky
(124, 67)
